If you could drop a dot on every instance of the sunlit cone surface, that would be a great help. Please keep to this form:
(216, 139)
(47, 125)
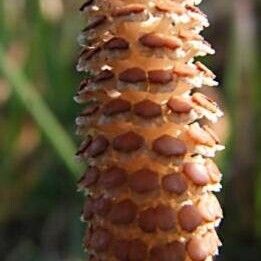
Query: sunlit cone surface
(150, 182)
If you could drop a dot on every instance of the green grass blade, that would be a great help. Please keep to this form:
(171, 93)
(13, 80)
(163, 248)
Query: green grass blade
(41, 113)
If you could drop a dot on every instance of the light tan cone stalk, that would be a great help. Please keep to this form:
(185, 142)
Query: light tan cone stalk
(151, 179)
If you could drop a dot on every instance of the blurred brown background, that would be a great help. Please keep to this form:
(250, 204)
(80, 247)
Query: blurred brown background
(39, 208)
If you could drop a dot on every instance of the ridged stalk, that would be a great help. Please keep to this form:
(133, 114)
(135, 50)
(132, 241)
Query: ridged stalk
(150, 181)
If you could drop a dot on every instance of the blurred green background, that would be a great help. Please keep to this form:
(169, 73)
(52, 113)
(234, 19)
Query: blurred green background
(39, 206)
